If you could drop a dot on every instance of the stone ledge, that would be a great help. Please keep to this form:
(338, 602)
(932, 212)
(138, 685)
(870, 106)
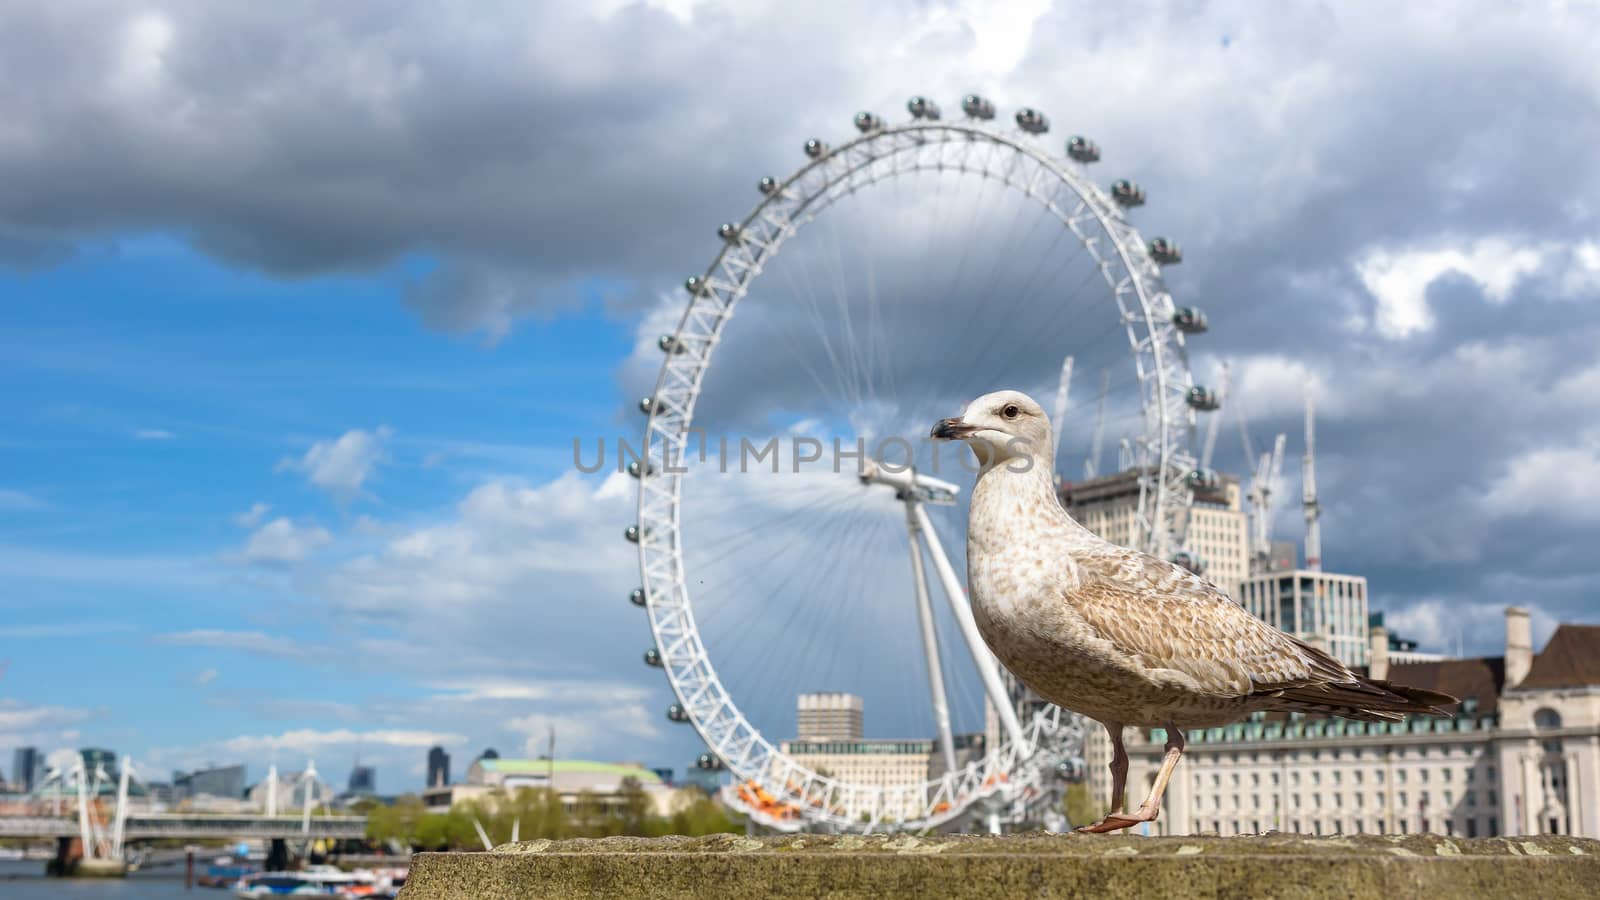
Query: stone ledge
(1036, 865)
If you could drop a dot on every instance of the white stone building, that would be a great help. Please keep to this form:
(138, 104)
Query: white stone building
(1522, 755)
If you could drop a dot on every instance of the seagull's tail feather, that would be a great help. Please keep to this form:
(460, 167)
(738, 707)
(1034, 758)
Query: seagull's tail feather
(1337, 691)
(1367, 699)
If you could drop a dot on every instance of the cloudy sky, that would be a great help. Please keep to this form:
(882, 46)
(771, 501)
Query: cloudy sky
(302, 306)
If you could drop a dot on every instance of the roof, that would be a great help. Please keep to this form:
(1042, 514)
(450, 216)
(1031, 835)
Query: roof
(1570, 659)
(1479, 677)
(567, 767)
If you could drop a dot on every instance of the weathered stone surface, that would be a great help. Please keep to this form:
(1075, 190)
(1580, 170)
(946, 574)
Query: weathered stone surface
(1039, 865)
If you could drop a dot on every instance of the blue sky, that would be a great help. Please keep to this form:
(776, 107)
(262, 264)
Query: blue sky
(159, 411)
(301, 309)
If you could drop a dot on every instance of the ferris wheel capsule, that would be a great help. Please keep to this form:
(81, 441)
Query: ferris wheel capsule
(636, 596)
(1190, 320)
(670, 344)
(1203, 398)
(697, 286)
(676, 713)
(816, 149)
(637, 468)
(866, 122)
(648, 405)
(632, 534)
(1032, 121)
(1191, 561)
(652, 658)
(710, 762)
(1203, 480)
(977, 107)
(729, 232)
(768, 185)
(1166, 252)
(923, 108)
(1126, 193)
(1083, 150)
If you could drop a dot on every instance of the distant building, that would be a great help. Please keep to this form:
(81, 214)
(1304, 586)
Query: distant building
(1317, 607)
(27, 768)
(219, 781)
(574, 780)
(1521, 756)
(438, 767)
(100, 757)
(363, 781)
(829, 717)
(830, 743)
(292, 788)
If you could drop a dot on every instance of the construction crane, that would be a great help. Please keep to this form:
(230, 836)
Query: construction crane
(1269, 468)
(1091, 466)
(1061, 400)
(1308, 484)
(1224, 383)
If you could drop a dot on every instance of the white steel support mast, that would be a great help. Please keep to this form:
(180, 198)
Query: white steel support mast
(914, 490)
(1308, 481)
(930, 639)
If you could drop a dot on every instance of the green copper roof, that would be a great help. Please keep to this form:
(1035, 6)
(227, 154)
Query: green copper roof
(567, 767)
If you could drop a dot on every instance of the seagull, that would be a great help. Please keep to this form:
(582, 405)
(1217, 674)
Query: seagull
(1121, 636)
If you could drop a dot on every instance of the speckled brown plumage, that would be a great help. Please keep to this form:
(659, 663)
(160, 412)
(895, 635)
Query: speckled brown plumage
(1115, 634)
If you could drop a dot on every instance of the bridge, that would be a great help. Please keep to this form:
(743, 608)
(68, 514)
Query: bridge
(195, 825)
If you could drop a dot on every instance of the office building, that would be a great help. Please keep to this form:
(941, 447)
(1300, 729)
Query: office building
(27, 765)
(1321, 608)
(363, 781)
(438, 767)
(218, 781)
(829, 717)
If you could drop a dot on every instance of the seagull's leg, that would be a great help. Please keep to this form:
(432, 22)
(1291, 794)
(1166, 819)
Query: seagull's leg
(1151, 807)
(1119, 776)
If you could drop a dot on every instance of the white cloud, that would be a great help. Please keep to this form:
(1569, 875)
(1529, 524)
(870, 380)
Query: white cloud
(281, 541)
(205, 677)
(24, 723)
(310, 740)
(342, 466)
(153, 434)
(1560, 482)
(252, 517)
(1444, 624)
(256, 642)
(1399, 281)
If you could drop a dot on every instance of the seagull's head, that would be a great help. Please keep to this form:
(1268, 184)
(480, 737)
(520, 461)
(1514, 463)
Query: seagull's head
(1001, 426)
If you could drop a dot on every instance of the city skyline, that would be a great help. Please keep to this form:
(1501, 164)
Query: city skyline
(285, 440)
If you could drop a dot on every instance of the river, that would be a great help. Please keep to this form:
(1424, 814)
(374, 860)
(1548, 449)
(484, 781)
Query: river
(25, 880)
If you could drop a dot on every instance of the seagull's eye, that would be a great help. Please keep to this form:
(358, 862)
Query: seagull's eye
(1011, 412)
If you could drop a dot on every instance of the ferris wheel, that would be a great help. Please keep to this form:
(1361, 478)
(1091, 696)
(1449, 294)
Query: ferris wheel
(924, 263)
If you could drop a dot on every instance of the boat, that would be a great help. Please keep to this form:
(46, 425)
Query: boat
(312, 881)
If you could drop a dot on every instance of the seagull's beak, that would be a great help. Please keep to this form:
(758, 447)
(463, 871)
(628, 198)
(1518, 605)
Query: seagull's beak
(952, 430)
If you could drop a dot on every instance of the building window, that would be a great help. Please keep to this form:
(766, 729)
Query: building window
(1494, 827)
(1472, 826)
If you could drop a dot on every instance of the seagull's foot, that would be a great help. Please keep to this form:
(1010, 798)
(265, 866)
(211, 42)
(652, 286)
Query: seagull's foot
(1119, 820)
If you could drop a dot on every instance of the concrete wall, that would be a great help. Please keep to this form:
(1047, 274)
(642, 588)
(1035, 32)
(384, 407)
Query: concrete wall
(880, 867)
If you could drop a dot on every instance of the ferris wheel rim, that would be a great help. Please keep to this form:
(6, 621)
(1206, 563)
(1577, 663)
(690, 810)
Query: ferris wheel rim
(708, 705)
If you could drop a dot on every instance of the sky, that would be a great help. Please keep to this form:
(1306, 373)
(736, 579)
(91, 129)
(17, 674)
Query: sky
(301, 308)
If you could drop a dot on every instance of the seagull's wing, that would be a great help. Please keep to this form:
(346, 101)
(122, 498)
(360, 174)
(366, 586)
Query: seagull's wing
(1166, 617)
(1186, 632)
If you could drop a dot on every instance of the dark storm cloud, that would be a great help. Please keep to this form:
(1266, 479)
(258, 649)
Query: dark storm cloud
(537, 151)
